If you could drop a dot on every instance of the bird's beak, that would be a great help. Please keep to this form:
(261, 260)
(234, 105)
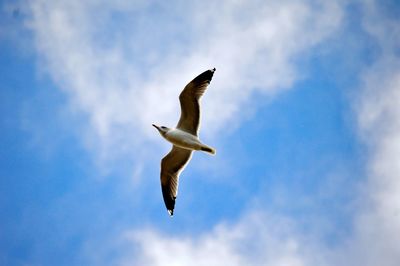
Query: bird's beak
(154, 126)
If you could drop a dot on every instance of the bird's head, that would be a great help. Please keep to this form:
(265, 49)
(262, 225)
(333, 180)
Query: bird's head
(161, 129)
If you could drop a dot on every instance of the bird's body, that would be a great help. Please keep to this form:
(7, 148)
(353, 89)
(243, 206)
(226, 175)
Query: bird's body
(184, 138)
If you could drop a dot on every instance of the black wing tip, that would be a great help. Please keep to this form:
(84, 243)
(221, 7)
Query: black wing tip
(170, 207)
(205, 76)
(210, 73)
(168, 200)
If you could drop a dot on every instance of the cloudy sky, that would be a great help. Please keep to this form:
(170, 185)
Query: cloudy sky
(304, 111)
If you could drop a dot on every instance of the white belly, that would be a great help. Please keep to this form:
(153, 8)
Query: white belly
(183, 139)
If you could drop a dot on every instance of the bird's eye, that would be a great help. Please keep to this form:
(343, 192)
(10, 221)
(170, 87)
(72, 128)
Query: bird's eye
(163, 127)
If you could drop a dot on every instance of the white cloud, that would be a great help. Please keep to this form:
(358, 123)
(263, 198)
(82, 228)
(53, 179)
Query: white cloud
(258, 239)
(124, 69)
(378, 224)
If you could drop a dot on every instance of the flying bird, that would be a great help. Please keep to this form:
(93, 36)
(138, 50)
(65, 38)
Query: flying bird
(184, 138)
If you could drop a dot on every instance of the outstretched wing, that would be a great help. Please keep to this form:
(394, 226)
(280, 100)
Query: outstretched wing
(189, 99)
(171, 167)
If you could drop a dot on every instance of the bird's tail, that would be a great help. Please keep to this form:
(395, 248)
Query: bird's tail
(208, 149)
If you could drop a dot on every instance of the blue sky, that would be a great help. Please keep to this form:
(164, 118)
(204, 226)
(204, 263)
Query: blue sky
(303, 111)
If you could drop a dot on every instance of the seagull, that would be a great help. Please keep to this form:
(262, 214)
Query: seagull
(184, 138)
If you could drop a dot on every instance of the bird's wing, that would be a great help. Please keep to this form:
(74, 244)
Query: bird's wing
(171, 167)
(189, 99)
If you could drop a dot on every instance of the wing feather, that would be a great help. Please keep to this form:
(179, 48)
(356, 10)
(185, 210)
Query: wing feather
(189, 99)
(171, 167)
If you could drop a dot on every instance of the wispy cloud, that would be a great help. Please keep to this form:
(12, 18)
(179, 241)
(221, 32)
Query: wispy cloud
(257, 239)
(378, 223)
(124, 70)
